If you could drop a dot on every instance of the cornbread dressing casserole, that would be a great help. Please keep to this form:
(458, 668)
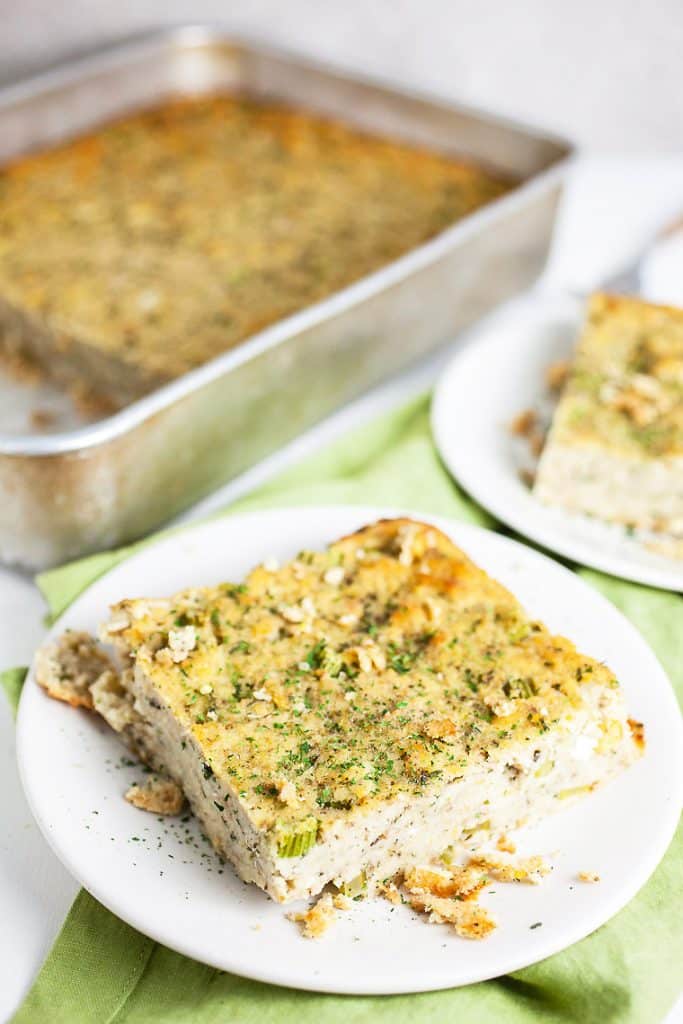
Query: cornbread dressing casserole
(360, 711)
(615, 448)
(167, 237)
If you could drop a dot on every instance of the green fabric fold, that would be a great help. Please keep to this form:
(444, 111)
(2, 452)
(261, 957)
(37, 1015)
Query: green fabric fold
(12, 681)
(101, 971)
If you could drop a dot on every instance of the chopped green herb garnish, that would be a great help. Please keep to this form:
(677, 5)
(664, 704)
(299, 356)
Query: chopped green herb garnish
(241, 647)
(316, 655)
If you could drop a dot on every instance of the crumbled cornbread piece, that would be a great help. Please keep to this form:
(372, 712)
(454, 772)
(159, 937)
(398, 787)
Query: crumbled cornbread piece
(391, 893)
(588, 876)
(69, 666)
(449, 897)
(460, 882)
(158, 795)
(556, 375)
(505, 845)
(637, 730)
(529, 869)
(469, 919)
(317, 919)
(536, 442)
(524, 424)
(527, 425)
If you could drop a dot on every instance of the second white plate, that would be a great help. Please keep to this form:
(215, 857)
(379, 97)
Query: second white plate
(497, 375)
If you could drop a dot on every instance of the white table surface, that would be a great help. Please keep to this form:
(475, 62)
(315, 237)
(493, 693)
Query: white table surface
(606, 73)
(612, 207)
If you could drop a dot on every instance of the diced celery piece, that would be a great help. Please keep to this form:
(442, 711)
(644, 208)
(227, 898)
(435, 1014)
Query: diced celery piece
(481, 827)
(356, 888)
(568, 794)
(298, 840)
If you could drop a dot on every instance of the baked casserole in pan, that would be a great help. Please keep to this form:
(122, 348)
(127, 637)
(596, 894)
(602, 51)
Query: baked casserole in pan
(141, 251)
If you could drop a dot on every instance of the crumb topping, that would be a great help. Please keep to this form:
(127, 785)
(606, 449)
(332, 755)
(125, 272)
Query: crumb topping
(528, 425)
(556, 375)
(637, 730)
(469, 920)
(446, 895)
(505, 845)
(158, 795)
(530, 869)
(450, 897)
(320, 917)
(461, 882)
(524, 423)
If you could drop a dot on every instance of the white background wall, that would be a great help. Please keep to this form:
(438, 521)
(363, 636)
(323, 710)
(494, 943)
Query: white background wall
(607, 72)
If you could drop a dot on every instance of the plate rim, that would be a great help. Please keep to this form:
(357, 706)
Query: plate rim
(281, 976)
(488, 338)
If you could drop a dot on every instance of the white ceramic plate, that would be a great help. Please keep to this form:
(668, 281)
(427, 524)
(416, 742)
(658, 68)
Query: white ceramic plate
(161, 878)
(492, 379)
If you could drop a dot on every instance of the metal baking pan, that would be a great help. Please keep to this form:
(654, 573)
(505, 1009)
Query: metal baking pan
(93, 486)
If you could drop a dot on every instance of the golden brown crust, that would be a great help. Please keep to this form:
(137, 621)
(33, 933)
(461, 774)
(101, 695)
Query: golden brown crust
(393, 535)
(638, 733)
(461, 882)
(449, 896)
(158, 796)
(530, 869)
(505, 845)
(391, 893)
(469, 919)
(320, 917)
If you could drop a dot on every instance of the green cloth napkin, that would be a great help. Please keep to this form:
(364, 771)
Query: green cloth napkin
(101, 971)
